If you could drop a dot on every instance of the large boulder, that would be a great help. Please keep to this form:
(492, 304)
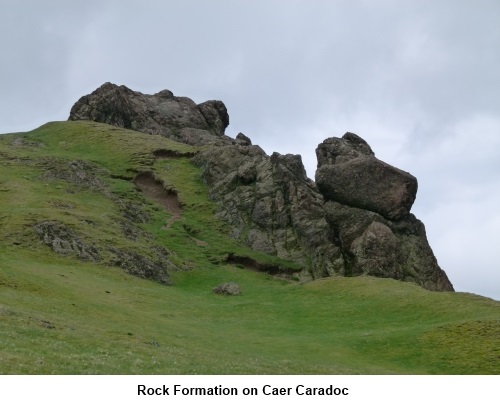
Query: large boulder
(177, 118)
(349, 172)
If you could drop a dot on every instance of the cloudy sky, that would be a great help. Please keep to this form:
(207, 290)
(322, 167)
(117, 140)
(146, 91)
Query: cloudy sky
(419, 80)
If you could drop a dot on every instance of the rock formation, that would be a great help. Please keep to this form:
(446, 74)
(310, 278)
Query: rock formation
(349, 173)
(178, 118)
(354, 220)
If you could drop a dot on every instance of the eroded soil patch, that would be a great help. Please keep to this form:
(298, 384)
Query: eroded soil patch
(167, 154)
(252, 264)
(155, 190)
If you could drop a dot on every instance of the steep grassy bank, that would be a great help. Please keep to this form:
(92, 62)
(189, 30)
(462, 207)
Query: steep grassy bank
(65, 315)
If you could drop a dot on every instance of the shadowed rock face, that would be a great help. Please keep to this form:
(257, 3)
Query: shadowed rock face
(177, 118)
(376, 246)
(349, 172)
(354, 220)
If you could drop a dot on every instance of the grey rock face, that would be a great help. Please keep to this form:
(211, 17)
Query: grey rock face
(177, 118)
(216, 115)
(336, 150)
(271, 205)
(375, 246)
(376, 252)
(367, 208)
(348, 172)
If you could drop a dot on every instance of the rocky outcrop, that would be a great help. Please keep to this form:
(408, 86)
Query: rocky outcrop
(373, 245)
(354, 220)
(349, 172)
(368, 206)
(177, 118)
(274, 208)
(144, 267)
(64, 241)
(271, 205)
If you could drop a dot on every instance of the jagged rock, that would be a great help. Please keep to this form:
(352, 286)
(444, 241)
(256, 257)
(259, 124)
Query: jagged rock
(271, 205)
(142, 266)
(177, 118)
(274, 208)
(252, 264)
(64, 241)
(243, 140)
(373, 245)
(133, 212)
(227, 289)
(216, 115)
(349, 172)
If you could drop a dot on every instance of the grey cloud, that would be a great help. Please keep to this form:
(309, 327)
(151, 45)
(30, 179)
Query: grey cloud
(36, 42)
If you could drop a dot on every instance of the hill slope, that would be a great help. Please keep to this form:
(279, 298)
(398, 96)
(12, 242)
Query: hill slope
(81, 241)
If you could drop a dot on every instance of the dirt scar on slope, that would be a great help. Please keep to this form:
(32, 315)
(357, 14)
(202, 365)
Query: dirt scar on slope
(155, 190)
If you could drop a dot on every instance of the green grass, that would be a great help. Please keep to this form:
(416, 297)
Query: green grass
(60, 315)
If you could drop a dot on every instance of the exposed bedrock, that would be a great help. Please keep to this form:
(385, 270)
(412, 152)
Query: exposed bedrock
(373, 245)
(271, 205)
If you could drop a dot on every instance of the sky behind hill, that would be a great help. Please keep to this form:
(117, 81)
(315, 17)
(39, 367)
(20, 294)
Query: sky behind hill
(419, 80)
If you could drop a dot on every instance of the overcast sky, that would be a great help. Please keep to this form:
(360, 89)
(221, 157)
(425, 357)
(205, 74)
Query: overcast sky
(418, 80)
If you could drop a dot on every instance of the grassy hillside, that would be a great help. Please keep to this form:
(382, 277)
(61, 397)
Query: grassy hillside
(61, 314)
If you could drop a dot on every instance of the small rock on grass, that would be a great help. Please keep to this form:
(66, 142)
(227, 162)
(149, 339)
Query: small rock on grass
(227, 289)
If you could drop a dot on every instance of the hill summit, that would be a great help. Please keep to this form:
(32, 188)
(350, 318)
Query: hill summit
(354, 220)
